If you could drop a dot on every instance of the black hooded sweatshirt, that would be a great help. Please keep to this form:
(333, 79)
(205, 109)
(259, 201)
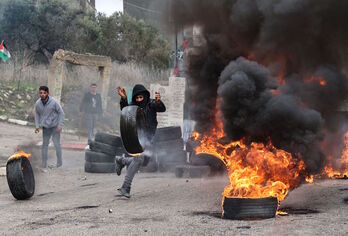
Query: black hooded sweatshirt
(149, 106)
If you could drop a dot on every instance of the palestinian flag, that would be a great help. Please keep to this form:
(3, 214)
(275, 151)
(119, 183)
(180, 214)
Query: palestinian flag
(4, 54)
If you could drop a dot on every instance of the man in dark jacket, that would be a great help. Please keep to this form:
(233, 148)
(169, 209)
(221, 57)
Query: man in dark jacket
(150, 107)
(91, 109)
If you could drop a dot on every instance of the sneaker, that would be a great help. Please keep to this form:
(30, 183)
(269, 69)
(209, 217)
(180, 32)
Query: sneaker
(119, 165)
(87, 147)
(123, 192)
(44, 170)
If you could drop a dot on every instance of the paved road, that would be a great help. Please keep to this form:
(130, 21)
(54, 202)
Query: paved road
(14, 136)
(67, 203)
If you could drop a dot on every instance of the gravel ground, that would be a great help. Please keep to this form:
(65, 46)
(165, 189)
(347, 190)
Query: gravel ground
(70, 202)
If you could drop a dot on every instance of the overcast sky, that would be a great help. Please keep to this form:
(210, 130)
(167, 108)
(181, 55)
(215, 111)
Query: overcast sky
(109, 6)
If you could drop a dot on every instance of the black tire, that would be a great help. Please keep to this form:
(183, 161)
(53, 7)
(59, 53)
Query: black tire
(20, 178)
(98, 157)
(109, 139)
(132, 125)
(107, 149)
(168, 133)
(95, 167)
(250, 208)
(170, 146)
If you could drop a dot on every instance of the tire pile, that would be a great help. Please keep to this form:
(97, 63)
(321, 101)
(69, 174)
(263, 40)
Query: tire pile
(101, 156)
(169, 148)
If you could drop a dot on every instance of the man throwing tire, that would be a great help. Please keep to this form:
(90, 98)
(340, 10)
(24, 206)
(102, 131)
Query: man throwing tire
(150, 107)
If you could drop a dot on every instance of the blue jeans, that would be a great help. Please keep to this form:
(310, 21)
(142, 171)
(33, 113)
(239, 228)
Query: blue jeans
(47, 133)
(91, 120)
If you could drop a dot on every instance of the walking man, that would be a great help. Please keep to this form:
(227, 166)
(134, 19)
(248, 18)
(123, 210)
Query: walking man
(150, 107)
(49, 114)
(91, 109)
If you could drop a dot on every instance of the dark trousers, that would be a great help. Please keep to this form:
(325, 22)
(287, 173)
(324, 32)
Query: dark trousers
(91, 120)
(47, 133)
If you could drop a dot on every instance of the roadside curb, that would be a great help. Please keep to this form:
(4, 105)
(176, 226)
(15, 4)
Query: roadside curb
(64, 146)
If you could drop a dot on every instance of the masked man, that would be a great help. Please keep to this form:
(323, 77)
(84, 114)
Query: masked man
(150, 107)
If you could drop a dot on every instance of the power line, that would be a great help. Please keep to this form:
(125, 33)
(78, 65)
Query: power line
(141, 8)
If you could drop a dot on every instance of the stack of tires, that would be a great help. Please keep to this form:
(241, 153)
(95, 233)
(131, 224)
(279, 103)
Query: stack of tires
(101, 156)
(169, 148)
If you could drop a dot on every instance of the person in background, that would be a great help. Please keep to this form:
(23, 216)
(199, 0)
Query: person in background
(150, 107)
(50, 116)
(91, 109)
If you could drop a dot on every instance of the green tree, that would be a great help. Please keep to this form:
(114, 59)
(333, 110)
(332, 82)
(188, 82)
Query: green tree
(142, 42)
(36, 32)
(124, 39)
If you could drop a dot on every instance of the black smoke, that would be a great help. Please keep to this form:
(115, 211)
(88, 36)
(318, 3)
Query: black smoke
(303, 42)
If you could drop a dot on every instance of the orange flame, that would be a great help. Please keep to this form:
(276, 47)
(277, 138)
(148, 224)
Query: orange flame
(256, 170)
(19, 154)
(310, 179)
(281, 213)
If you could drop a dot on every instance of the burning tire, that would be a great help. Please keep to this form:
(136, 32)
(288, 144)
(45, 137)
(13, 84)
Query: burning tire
(91, 156)
(20, 178)
(105, 148)
(133, 129)
(249, 208)
(99, 167)
(109, 139)
(168, 133)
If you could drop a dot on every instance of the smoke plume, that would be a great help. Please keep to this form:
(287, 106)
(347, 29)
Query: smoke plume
(278, 67)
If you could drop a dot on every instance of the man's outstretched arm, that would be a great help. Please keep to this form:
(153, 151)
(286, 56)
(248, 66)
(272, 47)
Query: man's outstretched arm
(123, 95)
